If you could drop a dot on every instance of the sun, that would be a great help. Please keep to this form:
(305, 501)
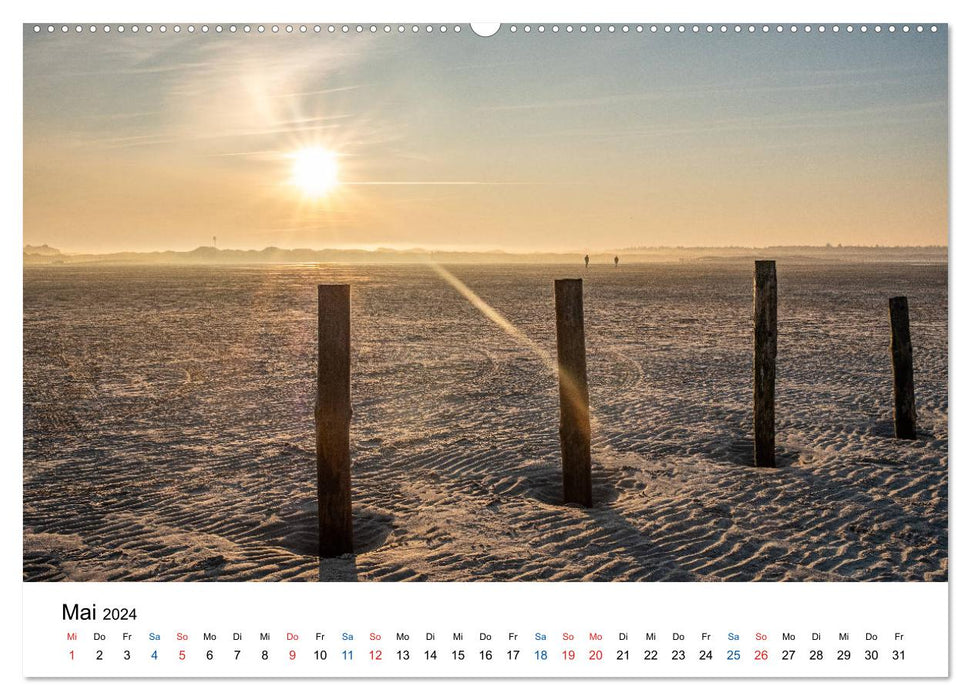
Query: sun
(314, 171)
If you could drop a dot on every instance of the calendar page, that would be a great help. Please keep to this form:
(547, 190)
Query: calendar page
(525, 349)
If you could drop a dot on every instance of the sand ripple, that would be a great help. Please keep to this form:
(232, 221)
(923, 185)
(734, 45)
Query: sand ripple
(168, 427)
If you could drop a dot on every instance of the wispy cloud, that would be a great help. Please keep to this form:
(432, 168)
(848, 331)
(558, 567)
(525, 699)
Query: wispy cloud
(692, 92)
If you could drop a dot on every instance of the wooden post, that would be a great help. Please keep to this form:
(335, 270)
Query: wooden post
(571, 356)
(902, 356)
(333, 419)
(764, 362)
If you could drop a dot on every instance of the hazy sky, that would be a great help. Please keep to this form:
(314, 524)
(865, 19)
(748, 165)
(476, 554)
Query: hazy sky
(519, 141)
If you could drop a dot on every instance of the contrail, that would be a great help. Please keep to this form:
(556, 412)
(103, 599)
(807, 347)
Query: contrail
(406, 183)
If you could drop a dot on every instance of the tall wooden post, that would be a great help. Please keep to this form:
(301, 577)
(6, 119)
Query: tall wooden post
(902, 356)
(571, 356)
(333, 419)
(764, 362)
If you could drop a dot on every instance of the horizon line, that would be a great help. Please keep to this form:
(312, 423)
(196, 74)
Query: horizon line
(485, 251)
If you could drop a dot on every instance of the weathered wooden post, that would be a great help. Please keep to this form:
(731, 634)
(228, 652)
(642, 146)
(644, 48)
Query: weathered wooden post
(571, 354)
(902, 356)
(764, 362)
(333, 419)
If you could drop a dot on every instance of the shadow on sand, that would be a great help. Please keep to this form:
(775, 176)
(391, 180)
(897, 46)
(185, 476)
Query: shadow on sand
(296, 531)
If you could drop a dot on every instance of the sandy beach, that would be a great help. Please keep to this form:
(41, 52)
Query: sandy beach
(168, 426)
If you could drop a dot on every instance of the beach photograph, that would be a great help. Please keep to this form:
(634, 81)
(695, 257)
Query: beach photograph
(597, 302)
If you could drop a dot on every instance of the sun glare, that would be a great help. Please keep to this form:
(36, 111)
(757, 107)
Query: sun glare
(314, 171)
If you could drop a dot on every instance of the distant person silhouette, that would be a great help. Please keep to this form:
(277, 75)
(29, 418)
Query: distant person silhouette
(616, 261)
(586, 261)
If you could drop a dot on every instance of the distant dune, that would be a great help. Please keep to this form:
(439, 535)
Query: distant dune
(40, 250)
(208, 255)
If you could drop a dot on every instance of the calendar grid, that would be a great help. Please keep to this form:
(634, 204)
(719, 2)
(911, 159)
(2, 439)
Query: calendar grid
(511, 630)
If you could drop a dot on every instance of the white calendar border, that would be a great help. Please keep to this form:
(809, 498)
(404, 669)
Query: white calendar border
(508, 11)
